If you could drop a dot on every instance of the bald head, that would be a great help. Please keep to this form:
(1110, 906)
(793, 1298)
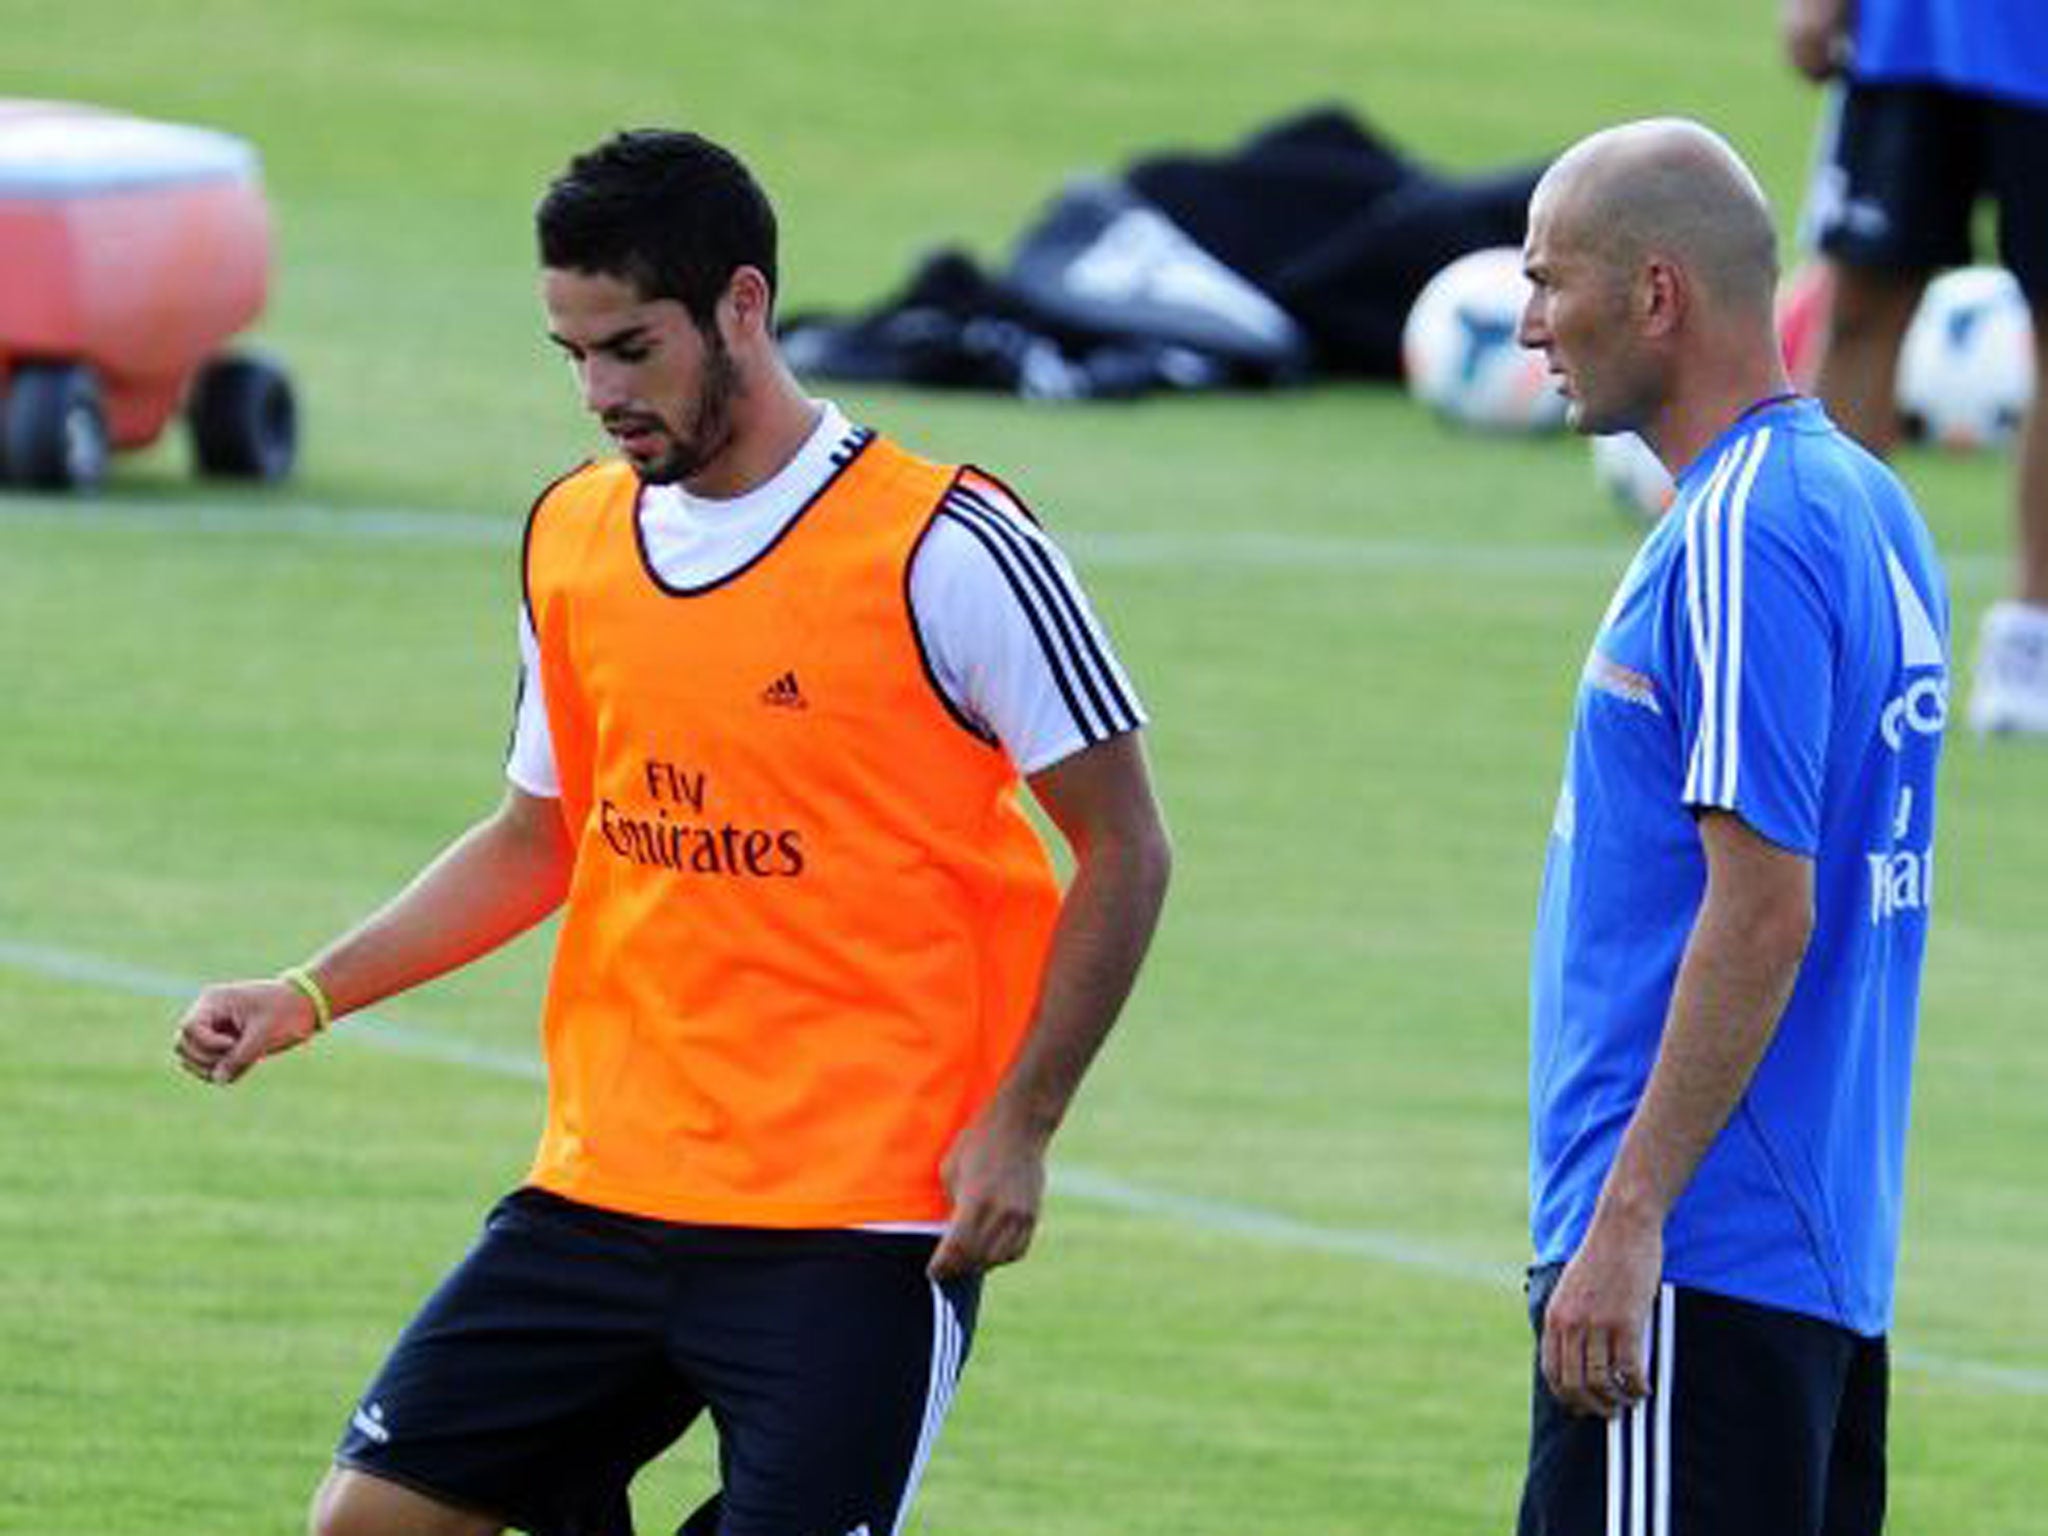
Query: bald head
(1672, 188)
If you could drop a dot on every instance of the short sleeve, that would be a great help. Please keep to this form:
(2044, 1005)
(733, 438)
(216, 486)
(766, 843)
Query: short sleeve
(1755, 665)
(530, 759)
(1012, 641)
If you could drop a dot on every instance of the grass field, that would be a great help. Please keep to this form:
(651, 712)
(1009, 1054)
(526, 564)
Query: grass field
(1276, 1289)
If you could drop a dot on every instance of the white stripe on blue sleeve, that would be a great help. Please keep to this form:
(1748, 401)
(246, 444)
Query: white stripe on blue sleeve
(1714, 594)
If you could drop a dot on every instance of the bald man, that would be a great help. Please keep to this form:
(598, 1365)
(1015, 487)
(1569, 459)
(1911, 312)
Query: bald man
(1727, 958)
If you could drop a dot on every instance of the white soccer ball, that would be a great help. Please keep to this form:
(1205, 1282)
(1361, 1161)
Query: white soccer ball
(1459, 351)
(1966, 371)
(1633, 476)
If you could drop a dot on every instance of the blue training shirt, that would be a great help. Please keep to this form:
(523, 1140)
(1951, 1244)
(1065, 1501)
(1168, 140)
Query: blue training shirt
(1989, 47)
(1778, 649)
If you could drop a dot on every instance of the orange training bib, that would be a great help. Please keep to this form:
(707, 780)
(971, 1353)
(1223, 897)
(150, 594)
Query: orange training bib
(807, 920)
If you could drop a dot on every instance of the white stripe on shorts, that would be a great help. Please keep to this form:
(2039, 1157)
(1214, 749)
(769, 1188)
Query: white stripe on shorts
(1639, 1440)
(947, 1341)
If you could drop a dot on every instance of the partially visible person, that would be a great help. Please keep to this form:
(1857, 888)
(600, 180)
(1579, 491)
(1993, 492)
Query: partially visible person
(1943, 103)
(1726, 969)
(818, 1003)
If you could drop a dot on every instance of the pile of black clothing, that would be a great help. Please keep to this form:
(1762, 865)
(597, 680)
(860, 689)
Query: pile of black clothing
(1295, 255)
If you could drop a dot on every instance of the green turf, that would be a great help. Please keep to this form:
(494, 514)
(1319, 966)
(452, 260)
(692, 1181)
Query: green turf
(231, 726)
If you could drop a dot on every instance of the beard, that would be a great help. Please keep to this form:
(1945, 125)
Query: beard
(708, 430)
(1617, 400)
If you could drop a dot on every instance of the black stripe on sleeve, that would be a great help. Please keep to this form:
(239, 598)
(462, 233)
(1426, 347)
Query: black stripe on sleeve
(1035, 542)
(1069, 615)
(1008, 567)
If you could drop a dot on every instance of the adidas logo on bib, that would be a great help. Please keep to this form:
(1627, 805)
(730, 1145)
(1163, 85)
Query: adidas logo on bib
(784, 693)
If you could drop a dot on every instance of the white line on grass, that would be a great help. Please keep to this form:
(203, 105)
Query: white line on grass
(383, 1032)
(1271, 550)
(1181, 551)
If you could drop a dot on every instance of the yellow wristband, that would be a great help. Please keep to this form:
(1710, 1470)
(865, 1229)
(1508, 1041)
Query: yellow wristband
(301, 979)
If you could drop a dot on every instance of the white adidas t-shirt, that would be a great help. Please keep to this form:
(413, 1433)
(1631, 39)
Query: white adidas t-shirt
(1009, 633)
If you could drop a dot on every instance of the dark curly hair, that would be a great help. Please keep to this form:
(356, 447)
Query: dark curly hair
(671, 212)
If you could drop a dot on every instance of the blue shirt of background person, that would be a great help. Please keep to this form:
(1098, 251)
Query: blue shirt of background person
(1778, 650)
(1984, 47)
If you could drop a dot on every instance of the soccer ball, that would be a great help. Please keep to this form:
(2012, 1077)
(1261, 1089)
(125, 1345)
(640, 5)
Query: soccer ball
(1633, 476)
(1459, 351)
(1966, 371)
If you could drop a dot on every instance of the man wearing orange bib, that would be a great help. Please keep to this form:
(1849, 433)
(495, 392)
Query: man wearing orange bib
(818, 1003)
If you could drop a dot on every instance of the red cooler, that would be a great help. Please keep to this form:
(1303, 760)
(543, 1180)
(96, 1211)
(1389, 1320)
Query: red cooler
(130, 251)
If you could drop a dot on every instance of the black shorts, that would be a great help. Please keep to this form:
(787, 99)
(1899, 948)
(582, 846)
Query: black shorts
(1758, 1421)
(572, 1345)
(1903, 171)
